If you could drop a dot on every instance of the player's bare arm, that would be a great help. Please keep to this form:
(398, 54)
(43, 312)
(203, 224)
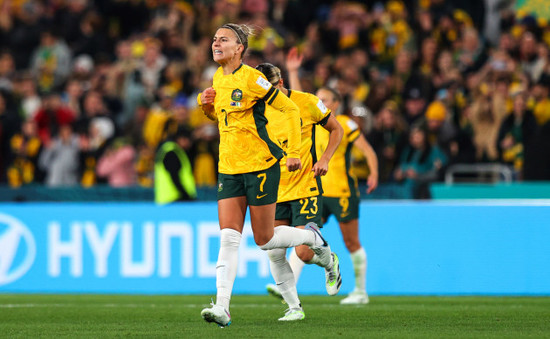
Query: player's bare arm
(372, 161)
(293, 63)
(320, 168)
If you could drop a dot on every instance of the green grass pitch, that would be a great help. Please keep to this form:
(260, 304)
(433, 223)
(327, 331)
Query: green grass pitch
(98, 316)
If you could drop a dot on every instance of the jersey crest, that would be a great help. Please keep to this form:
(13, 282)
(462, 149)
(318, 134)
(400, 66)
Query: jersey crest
(237, 95)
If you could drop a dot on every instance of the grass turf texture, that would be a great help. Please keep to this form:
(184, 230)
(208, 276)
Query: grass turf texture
(256, 316)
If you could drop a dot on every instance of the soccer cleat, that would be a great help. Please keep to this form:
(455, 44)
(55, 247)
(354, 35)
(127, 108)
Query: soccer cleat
(356, 298)
(293, 314)
(333, 276)
(323, 249)
(216, 314)
(273, 290)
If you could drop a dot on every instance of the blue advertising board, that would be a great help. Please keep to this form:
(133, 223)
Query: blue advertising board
(414, 248)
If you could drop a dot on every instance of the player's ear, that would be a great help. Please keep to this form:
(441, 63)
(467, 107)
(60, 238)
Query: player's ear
(281, 83)
(240, 49)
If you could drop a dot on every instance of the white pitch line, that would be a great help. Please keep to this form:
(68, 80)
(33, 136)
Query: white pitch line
(147, 305)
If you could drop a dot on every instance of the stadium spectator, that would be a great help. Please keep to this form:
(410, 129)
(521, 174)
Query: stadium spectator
(516, 132)
(70, 16)
(388, 139)
(420, 163)
(174, 179)
(155, 125)
(152, 65)
(406, 51)
(117, 164)
(26, 147)
(9, 125)
(51, 62)
(415, 101)
(485, 115)
(92, 106)
(29, 100)
(60, 159)
(51, 116)
(20, 28)
(472, 54)
(72, 96)
(7, 71)
(441, 132)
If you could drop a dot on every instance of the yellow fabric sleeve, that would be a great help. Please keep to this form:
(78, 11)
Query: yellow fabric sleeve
(282, 103)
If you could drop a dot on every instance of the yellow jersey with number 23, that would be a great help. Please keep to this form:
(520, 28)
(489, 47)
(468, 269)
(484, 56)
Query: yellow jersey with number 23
(301, 184)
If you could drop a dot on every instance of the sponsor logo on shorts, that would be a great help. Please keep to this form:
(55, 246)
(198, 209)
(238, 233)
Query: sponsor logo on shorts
(260, 196)
(220, 187)
(310, 216)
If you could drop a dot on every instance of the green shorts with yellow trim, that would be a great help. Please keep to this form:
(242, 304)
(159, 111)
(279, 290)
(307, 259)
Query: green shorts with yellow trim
(260, 187)
(344, 209)
(300, 211)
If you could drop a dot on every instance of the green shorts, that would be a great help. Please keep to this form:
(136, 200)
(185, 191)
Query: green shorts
(260, 188)
(344, 209)
(301, 211)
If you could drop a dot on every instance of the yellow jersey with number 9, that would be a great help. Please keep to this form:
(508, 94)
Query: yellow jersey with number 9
(245, 143)
(339, 180)
(300, 184)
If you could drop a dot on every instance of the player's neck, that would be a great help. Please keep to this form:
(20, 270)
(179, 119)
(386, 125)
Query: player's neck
(284, 90)
(231, 66)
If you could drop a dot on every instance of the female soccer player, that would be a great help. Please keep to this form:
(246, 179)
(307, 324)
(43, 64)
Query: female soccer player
(248, 165)
(341, 197)
(298, 202)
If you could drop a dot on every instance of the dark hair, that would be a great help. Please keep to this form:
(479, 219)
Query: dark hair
(242, 32)
(335, 95)
(427, 147)
(271, 72)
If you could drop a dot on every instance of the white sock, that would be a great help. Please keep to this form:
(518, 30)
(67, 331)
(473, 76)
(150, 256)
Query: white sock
(284, 278)
(296, 264)
(315, 260)
(359, 260)
(226, 268)
(286, 236)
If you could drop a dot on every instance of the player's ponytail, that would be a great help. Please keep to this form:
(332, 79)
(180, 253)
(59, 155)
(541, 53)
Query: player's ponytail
(242, 32)
(272, 73)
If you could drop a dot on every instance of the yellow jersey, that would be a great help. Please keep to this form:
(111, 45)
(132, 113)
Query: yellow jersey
(246, 145)
(300, 184)
(339, 182)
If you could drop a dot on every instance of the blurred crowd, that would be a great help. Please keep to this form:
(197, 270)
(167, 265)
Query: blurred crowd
(90, 88)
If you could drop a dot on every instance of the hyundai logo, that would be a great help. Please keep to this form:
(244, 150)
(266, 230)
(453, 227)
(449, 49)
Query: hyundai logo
(17, 249)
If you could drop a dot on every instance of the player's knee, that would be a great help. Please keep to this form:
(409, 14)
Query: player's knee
(352, 244)
(276, 255)
(263, 241)
(230, 238)
(304, 253)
